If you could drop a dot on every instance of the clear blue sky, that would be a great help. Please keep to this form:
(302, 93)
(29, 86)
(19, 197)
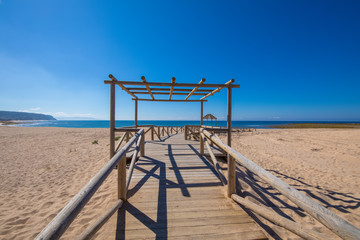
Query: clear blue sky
(294, 60)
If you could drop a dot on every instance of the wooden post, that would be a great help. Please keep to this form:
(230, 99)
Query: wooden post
(231, 161)
(142, 145)
(122, 178)
(201, 145)
(127, 137)
(136, 113)
(159, 133)
(185, 132)
(112, 120)
(201, 113)
(152, 133)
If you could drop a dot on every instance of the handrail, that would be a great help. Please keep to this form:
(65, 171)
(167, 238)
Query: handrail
(215, 162)
(65, 217)
(93, 228)
(279, 220)
(329, 219)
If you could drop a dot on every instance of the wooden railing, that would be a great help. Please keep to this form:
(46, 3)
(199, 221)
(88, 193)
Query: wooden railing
(65, 217)
(159, 131)
(329, 219)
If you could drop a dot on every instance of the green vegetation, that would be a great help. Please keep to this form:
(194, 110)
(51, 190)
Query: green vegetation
(8, 123)
(318, 125)
(117, 138)
(95, 142)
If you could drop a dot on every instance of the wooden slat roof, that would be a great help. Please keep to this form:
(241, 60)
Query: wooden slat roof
(190, 91)
(209, 116)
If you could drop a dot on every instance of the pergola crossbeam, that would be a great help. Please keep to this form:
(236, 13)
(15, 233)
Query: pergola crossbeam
(122, 86)
(168, 89)
(196, 88)
(166, 100)
(218, 89)
(172, 88)
(163, 84)
(168, 93)
(147, 87)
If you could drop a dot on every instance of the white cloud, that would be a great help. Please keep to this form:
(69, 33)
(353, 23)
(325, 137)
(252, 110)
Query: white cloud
(35, 109)
(62, 114)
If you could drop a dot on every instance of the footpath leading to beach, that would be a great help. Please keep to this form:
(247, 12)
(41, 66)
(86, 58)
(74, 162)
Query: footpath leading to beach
(43, 168)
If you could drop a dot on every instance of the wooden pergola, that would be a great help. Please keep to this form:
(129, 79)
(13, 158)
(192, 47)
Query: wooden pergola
(152, 89)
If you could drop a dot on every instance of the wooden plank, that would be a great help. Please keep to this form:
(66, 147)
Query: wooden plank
(196, 88)
(174, 193)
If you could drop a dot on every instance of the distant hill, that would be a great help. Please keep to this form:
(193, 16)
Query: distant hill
(8, 116)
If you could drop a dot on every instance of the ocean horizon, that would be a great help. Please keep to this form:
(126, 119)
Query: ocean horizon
(124, 123)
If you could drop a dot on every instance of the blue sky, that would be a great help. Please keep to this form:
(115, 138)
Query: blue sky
(294, 60)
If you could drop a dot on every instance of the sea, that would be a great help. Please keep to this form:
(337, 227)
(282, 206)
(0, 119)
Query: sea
(124, 123)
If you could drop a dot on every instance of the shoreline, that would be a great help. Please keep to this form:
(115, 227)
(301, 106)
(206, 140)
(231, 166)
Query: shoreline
(316, 125)
(43, 168)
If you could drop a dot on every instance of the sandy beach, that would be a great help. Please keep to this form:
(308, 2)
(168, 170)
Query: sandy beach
(324, 164)
(43, 168)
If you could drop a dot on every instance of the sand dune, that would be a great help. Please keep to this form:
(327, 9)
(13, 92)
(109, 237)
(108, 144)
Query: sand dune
(43, 168)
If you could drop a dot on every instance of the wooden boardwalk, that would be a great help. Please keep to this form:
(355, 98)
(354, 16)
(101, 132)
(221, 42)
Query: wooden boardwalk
(176, 194)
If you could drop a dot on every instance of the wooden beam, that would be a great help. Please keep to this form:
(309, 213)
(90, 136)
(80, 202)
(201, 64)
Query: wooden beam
(201, 113)
(136, 112)
(230, 160)
(218, 89)
(196, 88)
(133, 160)
(122, 178)
(121, 85)
(214, 160)
(168, 93)
(168, 89)
(147, 87)
(163, 84)
(172, 88)
(121, 140)
(90, 231)
(166, 100)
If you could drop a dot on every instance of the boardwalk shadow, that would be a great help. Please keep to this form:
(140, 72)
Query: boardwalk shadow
(343, 201)
(158, 227)
(249, 185)
(152, 169)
